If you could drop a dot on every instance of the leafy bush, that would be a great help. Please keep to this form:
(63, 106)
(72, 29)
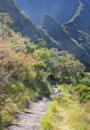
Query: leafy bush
(47, 125)
(85, 81)
(85, 97)
(84, 92)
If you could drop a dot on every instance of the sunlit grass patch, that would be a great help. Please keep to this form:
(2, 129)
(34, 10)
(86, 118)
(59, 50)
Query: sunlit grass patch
(67, 113)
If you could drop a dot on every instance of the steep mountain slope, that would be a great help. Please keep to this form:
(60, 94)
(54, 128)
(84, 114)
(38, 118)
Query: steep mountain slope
(74, 35)
(81, 19)
(23, 24)
(79, 27)
(19, 20)
(65, 41)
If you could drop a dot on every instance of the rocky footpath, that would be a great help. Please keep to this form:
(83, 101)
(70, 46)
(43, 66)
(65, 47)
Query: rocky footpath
(31, 120)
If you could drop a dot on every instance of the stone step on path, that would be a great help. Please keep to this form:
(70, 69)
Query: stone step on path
(31, 121)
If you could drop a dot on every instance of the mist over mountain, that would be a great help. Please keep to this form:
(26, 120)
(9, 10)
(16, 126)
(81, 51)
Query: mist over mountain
(59, 9)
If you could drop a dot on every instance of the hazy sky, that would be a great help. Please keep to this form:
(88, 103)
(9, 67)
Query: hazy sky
(62, 10)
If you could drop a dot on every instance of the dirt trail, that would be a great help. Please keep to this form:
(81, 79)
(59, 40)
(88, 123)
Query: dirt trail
(31, 121)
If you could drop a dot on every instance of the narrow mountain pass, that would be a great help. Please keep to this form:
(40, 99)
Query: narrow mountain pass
(31, 120)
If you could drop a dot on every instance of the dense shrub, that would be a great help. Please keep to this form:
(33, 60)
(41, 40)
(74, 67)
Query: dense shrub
(85, 81)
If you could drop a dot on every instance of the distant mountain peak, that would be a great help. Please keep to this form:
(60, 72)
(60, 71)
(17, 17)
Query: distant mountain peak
(36, 8)
(49, 19)
(52, 26)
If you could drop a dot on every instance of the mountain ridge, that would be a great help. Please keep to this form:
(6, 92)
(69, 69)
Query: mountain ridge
(37, 8)
(66, 42)
(72, 36)
(22, 23)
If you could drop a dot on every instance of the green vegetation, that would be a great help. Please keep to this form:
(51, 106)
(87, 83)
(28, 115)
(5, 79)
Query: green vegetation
(27, 71)
(66, 112)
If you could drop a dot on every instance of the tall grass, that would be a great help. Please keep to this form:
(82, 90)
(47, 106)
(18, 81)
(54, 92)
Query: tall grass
(67, 113)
